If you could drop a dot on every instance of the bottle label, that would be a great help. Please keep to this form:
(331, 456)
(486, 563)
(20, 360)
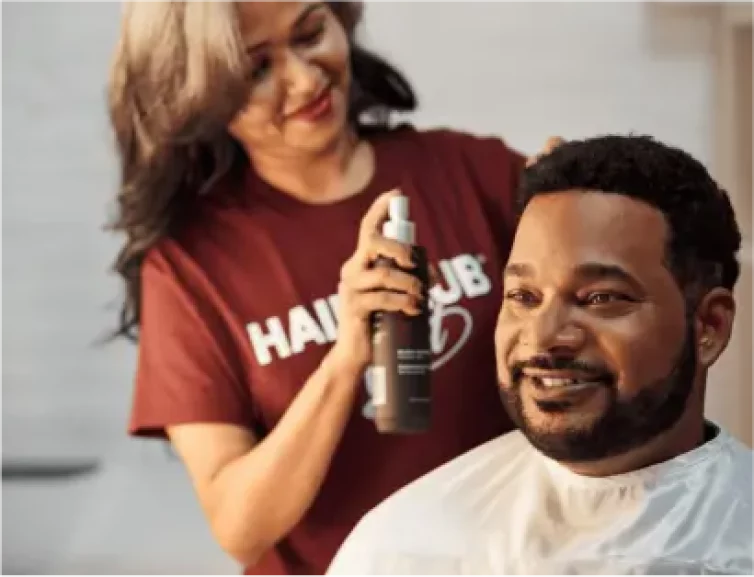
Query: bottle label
(401, 358)
(377, 379)
(414, 363)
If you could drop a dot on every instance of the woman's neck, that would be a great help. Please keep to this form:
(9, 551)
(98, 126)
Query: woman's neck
(328, 176)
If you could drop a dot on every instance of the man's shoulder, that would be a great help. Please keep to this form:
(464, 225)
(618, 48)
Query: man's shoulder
(432, 518)
(738, 466)
(431, 522)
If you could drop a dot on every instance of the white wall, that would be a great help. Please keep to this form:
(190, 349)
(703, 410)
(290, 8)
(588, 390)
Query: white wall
(531, 70)
(525, 71)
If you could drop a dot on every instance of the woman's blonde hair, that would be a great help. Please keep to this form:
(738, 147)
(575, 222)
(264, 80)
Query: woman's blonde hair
(178, 77)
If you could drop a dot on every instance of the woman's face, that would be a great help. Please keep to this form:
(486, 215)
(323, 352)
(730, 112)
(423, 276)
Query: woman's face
(299, 77)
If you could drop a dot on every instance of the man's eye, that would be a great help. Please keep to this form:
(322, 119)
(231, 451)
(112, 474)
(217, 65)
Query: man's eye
(522, 297)
(604, 298)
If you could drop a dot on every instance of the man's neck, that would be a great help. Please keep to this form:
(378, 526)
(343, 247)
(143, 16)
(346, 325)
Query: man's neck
(686, 435)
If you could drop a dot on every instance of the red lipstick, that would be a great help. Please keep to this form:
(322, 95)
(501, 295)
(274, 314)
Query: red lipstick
(315, 109)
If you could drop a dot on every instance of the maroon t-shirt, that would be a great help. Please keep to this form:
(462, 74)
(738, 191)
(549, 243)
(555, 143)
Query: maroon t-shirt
(239, 309)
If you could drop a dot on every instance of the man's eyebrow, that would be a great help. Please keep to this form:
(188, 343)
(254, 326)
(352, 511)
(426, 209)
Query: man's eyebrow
(520, 270)
(585, 271)
(599, 271)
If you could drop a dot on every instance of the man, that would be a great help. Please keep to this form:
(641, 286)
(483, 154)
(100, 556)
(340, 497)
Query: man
(618, 298)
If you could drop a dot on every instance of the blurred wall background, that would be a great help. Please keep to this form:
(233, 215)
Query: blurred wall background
(521, 70)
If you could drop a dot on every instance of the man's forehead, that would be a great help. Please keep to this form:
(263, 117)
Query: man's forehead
(568, 228)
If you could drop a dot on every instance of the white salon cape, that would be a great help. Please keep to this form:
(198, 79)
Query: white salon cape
(504, 508)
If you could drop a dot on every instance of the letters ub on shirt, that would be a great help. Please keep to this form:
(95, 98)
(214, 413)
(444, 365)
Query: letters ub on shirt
(316, 323)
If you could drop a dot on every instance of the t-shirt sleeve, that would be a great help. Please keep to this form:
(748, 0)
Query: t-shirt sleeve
(187, 369)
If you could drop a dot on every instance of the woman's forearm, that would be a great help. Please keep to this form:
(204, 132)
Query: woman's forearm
(258, 498)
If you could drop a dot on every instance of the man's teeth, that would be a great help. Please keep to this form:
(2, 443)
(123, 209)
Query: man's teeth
(562, 382)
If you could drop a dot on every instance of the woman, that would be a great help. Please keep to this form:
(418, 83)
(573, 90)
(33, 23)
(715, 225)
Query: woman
(256, 156)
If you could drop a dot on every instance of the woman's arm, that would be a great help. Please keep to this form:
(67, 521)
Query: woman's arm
(253, 493)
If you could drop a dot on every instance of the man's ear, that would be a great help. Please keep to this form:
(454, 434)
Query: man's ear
(714, 324)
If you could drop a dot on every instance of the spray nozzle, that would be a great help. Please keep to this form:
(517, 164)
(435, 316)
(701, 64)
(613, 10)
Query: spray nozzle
(398, 208)
(399, 227)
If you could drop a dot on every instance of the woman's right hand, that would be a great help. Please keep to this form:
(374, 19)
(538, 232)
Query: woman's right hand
(364, 289)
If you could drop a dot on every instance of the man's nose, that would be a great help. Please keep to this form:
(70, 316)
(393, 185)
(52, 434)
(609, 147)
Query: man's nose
(552, 330)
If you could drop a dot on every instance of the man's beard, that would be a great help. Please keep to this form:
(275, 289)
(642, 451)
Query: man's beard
(625, 425)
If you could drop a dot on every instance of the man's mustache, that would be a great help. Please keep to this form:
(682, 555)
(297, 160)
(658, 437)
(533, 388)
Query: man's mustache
(550, 363)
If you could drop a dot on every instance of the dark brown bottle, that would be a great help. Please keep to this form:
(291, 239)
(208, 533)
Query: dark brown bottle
(401, 356)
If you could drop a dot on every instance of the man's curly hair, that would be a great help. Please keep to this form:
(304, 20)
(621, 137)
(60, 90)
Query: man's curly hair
(703, 234)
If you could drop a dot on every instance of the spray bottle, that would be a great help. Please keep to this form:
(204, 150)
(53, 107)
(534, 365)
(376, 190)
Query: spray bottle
(401, 356)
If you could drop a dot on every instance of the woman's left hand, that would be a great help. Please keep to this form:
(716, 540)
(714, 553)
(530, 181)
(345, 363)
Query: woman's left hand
(552, 143)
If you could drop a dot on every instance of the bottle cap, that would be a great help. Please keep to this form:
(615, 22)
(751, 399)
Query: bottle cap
(399, 227)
